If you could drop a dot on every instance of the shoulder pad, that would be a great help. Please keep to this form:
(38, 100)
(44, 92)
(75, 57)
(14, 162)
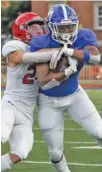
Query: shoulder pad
(39, 42)
(12, 46)
(86, 37)
(88, 34)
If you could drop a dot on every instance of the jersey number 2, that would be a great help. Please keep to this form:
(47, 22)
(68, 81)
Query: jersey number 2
(29, 77)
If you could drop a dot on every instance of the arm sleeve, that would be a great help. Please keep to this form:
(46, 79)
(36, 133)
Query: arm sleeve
(36, 57)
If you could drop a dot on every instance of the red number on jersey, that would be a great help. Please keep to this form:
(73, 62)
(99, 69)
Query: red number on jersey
(29, 77)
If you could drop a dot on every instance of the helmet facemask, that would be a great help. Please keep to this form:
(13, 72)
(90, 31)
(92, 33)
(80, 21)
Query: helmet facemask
(64, 32)
(35, 29)
(32, 28)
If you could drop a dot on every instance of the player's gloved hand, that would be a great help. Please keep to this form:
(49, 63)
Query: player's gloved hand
(67, 51)
(55, 58)
(73, 63)
(58, 55)
(72, 67)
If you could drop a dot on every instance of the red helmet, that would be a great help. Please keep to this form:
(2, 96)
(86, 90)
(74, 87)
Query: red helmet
(19, 28)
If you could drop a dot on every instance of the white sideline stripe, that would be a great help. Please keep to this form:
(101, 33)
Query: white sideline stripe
(70, 129)
(69, 163)
(87, 147)
(65, 142)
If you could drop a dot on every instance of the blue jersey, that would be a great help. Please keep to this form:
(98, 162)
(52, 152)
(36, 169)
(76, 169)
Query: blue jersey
(86, 37)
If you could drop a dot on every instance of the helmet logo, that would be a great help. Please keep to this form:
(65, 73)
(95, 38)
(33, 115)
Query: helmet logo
(22, 27)
(66, 21)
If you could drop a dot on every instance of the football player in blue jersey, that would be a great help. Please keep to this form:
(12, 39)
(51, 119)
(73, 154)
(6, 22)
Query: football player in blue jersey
(60, 92)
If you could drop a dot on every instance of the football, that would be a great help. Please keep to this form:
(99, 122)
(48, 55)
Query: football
(61, 65)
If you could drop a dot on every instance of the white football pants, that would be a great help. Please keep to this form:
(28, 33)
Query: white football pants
(51, 117)
(17, 129)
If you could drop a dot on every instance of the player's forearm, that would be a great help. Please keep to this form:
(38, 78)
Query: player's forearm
(89, 55)
(48, 49)
(54, 79)
(47, 79)
(50, 76)
(78, 55)
(19, 57)
(37, 57)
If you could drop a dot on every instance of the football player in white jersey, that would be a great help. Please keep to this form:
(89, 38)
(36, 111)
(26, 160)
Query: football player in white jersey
(22, 87)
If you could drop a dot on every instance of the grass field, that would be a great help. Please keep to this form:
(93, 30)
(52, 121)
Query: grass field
(81, 151)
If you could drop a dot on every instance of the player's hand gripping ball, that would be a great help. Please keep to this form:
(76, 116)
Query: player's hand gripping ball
(61, 65)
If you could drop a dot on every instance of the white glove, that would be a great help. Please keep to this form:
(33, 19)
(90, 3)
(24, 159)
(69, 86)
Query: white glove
(72, 68)
(55, 58)
(68, 51)
(58, 54)
(73, 63)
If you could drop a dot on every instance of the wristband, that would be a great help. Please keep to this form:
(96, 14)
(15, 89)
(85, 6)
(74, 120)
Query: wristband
(86, 57)
(69, 52)
(68, 71)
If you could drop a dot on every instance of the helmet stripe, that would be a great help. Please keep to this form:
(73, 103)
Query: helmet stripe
(64, 11)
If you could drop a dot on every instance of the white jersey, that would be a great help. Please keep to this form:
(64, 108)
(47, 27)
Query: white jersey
(22, 86)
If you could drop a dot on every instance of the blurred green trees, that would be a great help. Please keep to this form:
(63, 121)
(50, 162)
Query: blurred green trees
(10, 11)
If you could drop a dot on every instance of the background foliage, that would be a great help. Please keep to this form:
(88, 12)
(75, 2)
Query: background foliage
(9, 12)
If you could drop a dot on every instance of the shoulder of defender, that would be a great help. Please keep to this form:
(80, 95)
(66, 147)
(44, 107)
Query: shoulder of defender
(12, 46)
